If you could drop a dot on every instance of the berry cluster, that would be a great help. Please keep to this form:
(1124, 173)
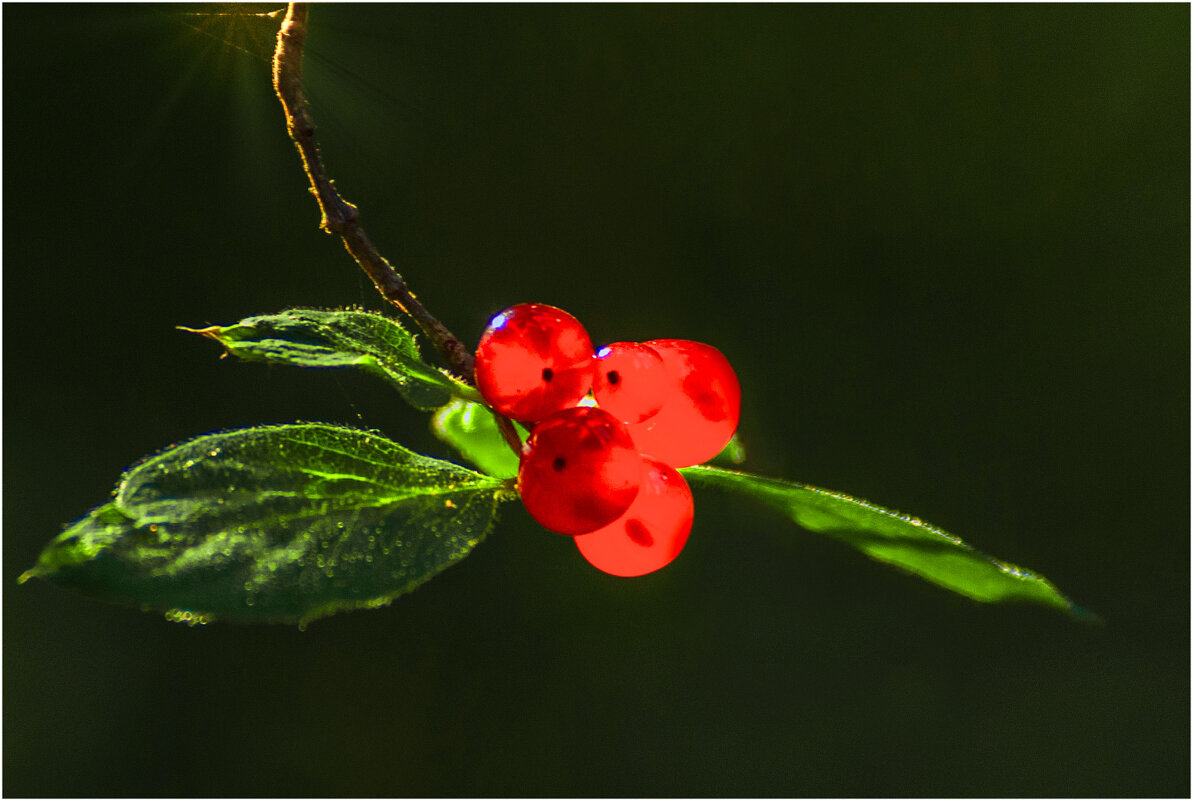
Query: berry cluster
(608, 430)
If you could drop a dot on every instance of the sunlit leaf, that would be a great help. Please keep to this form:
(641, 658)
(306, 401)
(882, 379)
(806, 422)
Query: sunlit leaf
(733, 453)
(340, 338)
(472, 430)
(274, 524)
(892, 537)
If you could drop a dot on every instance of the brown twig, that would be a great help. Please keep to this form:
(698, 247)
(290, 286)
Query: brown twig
(339, 216)
(509, 433)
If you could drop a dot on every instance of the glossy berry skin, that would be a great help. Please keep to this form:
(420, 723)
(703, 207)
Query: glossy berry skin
(579, 470)
(702, 408)
(652, 531)
(533, 360)
(630, 381)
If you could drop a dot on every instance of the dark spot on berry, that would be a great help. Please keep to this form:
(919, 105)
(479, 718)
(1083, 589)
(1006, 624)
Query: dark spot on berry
(638, 533)
(559, 464)
(705, 397)
(614, 377)
(548, 373)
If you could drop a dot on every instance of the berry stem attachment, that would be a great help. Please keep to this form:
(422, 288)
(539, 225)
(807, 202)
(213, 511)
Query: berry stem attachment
(339, 216)
(509, 433)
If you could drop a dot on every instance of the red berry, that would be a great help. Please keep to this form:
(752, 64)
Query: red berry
(630, 381)
(702, 407)
(652, 531)
(533, 360)
(579, 470)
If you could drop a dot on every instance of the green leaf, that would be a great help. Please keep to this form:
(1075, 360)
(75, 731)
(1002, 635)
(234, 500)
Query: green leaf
(274, 524)
(892, 537)
(733, 453)
(472, 430)
(341, 338)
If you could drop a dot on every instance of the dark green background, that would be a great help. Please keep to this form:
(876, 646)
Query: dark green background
(946, 248)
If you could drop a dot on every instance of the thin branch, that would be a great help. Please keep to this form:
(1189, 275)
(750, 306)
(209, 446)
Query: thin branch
(509, 433)
(339, 216)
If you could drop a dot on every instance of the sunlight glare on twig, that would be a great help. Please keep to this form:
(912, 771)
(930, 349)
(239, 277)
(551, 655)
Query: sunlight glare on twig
(212, 60)
(238, 28)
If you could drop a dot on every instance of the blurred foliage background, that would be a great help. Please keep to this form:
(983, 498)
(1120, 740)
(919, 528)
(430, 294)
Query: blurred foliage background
(946, 247)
